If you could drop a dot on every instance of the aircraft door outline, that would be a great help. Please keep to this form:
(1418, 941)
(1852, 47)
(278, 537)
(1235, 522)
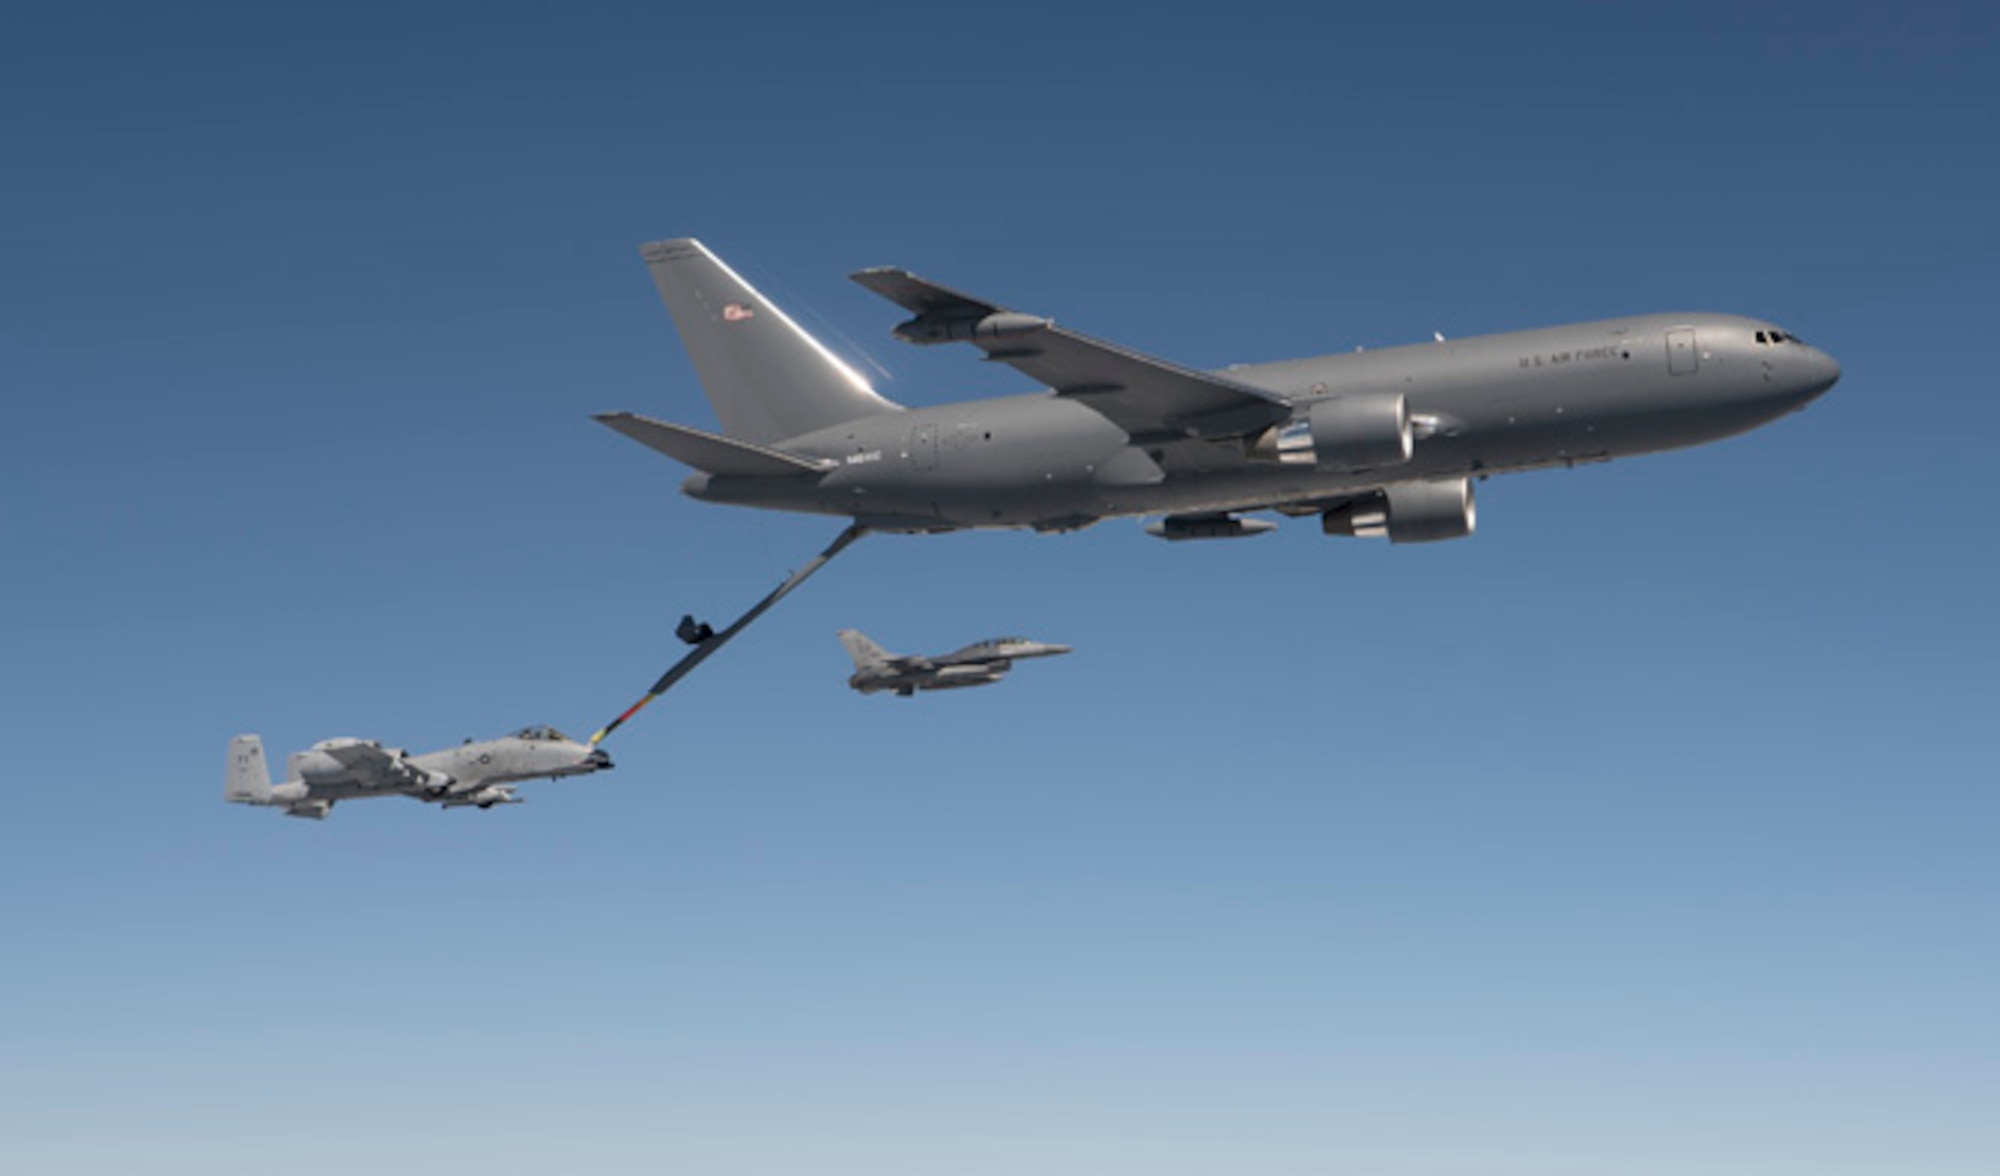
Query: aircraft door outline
(1683, 358)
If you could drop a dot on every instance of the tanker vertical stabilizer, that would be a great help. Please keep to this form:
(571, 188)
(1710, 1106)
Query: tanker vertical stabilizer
(766, 378)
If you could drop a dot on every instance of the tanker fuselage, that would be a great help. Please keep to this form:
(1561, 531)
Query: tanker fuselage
(1555, 397)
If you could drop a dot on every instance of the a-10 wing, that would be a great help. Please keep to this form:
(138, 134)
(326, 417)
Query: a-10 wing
(362, 762)
(1147, 397)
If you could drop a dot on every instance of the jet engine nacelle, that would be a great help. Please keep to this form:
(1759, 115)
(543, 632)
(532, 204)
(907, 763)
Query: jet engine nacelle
(316, 764)
(1408, 512)
(924, 330)
(1368, 431)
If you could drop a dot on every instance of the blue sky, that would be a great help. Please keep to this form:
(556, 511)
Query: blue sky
(1650, 831)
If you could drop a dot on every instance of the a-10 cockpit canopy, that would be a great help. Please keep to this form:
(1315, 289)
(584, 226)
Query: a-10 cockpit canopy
(541, 735)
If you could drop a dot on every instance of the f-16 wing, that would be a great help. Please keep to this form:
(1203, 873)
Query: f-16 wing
(1146, 397)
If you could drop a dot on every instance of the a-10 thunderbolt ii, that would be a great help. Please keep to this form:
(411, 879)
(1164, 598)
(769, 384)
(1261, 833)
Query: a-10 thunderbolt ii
(478, 775)
(1385, 442)
(979, 664)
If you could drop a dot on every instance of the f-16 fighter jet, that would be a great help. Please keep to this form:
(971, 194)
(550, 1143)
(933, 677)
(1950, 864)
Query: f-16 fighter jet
(475, 774)
(979, 664)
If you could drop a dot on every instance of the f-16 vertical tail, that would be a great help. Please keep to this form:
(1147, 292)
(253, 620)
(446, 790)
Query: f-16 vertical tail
(866, 654)
(249, 777)
(766, 378)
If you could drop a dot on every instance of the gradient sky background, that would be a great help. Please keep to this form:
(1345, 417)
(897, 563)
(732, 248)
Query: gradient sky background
(1651, 831)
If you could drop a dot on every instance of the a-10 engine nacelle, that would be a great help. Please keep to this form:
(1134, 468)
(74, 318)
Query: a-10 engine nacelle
(1368, 431)
(1408, 512)
(317, 764)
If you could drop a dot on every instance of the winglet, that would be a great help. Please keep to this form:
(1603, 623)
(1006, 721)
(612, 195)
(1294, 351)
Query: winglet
(708, 452)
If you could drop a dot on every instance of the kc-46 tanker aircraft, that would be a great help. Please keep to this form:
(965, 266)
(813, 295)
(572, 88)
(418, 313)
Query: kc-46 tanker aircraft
(477, 775)
(1384, 442)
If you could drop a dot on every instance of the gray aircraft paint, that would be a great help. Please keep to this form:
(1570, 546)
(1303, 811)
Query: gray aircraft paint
(980, 664)
(769, 379)
(479, 775)
(1068, 457)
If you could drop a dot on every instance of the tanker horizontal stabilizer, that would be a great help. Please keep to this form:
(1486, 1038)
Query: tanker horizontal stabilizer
(708, 452)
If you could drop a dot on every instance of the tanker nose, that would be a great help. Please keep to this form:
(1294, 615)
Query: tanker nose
(1804, 375)
(1822, 370)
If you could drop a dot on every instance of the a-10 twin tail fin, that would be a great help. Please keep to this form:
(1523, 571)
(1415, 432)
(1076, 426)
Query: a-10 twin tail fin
(249, 777)
(248, 781)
